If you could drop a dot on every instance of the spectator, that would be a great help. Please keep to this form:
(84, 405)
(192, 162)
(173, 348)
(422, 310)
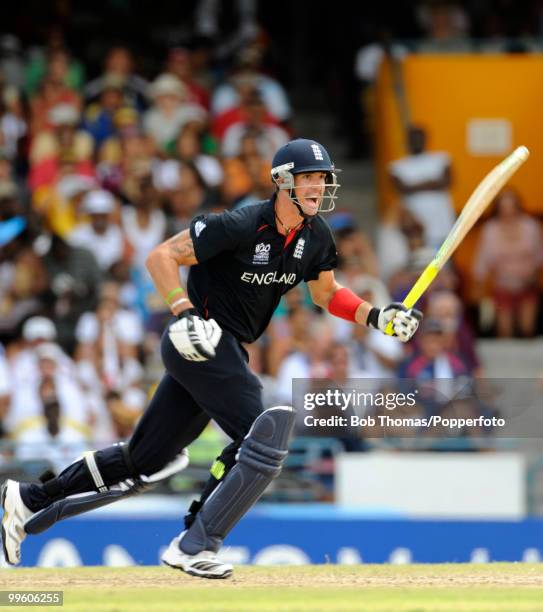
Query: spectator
(446, 25)
(102, 236)
(289, 334)
(143, 223)
(341, 369)
(125, 410)
(23, 282)
(167, 174)
(268, 137)
(342, 366)
(186, 196)
(62, 144)
(36, 332)
(260, 182)
(10, 190)
(12, 65)
(124, 157)
(170, 112)
(392, 244)
(247, 177)
(120, 63)
(109, 340)
(58, 204)
(423, 180)
(59, 66)
(99, 119)
(247, 92)
(13, 128)
(73, 276)
(189, 150)
(355, 252)
(307, 361)
(50, 418)
(446, 307)
(52, 93)
(179, 65)
(438, 372)
(249, 69)
(418, 256)
(510, 253)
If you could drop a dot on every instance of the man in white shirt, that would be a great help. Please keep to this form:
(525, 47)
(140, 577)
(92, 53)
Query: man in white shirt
(170, 112)
(423, 179)
(50, 417)
(102, 237)
(24, 364)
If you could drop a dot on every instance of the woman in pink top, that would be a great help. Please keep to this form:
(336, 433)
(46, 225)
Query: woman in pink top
(510, 254)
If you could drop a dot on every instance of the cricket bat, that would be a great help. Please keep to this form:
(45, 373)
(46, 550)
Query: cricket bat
(483, 195)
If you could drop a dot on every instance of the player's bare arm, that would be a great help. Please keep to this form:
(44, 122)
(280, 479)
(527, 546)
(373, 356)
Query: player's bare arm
(163, 264)
(180, 247)
(325, 287)
(340, 301)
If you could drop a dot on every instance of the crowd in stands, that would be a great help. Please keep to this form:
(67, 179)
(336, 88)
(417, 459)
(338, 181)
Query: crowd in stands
(96, 172)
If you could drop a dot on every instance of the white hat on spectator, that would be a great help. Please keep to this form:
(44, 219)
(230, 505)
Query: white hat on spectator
(167, 85)
(166, 175)
(49, 350)
(39, 328)
(72, 185)
(98, 202)
(134, 398)
(63, 114)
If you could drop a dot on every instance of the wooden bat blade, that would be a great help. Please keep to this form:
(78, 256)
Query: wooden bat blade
(479, 200)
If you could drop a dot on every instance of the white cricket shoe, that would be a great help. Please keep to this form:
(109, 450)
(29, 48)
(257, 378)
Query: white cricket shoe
(15, 516)
(205, 564)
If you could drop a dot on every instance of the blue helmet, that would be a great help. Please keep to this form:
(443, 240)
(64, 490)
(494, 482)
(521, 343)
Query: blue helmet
(303, 155)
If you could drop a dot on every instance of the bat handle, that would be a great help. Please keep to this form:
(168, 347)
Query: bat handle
(423, 282)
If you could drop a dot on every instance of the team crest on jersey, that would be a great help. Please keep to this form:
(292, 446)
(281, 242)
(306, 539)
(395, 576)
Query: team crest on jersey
(198, 227)
(299, 249)
(317, 152)
(262, 253)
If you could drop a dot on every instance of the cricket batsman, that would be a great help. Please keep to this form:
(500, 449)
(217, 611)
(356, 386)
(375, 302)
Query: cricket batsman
(241, 263)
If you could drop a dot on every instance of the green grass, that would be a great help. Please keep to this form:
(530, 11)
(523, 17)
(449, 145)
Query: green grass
(413, 588)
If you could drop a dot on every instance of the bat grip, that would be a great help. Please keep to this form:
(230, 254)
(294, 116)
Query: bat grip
(423, 282)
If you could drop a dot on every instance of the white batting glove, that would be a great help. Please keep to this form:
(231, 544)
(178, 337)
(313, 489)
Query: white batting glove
(195, 338)
(405, 321)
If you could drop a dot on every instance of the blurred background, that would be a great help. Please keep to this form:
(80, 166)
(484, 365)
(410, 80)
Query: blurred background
(119, 123)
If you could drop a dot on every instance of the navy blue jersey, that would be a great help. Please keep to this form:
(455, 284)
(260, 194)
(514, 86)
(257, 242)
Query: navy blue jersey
(245, 265)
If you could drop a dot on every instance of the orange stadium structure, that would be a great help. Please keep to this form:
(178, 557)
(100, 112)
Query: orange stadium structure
(477, 108)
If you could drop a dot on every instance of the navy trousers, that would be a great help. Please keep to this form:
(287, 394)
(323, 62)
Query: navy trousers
(188, 396)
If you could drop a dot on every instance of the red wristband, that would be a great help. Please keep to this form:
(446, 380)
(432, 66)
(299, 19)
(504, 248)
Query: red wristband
(344, 304)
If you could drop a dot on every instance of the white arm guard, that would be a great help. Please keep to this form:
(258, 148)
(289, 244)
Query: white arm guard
(195, 338)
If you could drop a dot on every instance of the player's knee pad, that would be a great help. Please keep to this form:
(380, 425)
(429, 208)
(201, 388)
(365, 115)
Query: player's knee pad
(104, 495)
(259, 460)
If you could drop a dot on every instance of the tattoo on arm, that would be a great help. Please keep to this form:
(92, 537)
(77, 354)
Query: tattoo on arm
(180, 247)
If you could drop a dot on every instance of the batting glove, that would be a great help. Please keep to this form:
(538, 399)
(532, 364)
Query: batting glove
(195, 338)
(404, 321)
